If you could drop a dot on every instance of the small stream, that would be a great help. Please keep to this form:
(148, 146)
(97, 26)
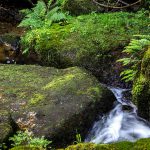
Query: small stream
(120, 124)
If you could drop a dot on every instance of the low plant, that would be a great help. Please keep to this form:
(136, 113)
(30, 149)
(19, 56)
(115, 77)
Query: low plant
(27, 138)
(78, 139)
(134, 51)
(3, 146)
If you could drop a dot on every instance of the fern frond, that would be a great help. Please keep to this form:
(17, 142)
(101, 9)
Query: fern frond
(40, 9)
(135, 51)
(125, 61)
(34, 17)
(52, 12)
(128, 75)
(49, 3)
(26, 11)
(58, 17)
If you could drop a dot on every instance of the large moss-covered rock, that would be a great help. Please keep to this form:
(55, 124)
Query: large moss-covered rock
(141, 87)
(52, 102)
(125, 145)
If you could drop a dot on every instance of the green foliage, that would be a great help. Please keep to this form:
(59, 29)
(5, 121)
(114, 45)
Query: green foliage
(42, 16)
(87, 36)
(27, 138)
(147, 2)
(3, 146)
(134, 51)
(78, 139)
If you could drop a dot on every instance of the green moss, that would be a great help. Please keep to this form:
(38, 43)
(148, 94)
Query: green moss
(26, 148)
(141, 87)
(86, 40)
(22, 84)
(138, 86)
(36, 99)
(4, 113)
(5, 130)
(143, 144)
(52, 97)
(86, 146)
(59, 82)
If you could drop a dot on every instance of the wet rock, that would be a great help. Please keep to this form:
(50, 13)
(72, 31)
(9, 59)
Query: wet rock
(9, 48)
(127, 108)
(52, 102)
(10, 15)
(6, 128)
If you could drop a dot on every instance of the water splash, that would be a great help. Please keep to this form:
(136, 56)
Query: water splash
(120, 124)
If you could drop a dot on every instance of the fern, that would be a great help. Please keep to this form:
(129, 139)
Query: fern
(34, 18)
(42, 16)
(135, 51)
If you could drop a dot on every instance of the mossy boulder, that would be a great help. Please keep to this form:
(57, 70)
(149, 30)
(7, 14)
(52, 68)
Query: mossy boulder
(6, 128)
(141, 87)
(77, 7)
(125, 145)
(53, 102)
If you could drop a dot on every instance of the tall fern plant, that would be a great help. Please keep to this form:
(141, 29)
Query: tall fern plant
(42, 15)
(134, 51)
(38, 19)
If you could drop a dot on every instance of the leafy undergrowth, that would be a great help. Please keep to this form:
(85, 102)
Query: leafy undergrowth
(86, 38)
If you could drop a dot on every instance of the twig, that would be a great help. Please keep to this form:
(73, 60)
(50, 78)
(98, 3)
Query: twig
(115, 7)
(125, 3)
(3, 8)
(30, 1)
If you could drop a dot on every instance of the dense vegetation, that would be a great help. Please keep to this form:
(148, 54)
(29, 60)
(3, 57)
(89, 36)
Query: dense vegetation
(86, 37)
(66, 33)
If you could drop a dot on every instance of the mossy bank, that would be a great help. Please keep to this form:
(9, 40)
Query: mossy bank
(125, 145)
(93, 41)
(141, 87)
(142, 144)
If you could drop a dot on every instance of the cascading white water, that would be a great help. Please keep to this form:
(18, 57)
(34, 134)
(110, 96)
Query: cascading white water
(119, 124)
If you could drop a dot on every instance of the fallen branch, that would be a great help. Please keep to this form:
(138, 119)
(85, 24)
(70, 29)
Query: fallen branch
(123, 2)
(115, 7)
(3, 8)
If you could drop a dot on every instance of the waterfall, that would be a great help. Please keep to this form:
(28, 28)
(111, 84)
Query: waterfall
(119, 124)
